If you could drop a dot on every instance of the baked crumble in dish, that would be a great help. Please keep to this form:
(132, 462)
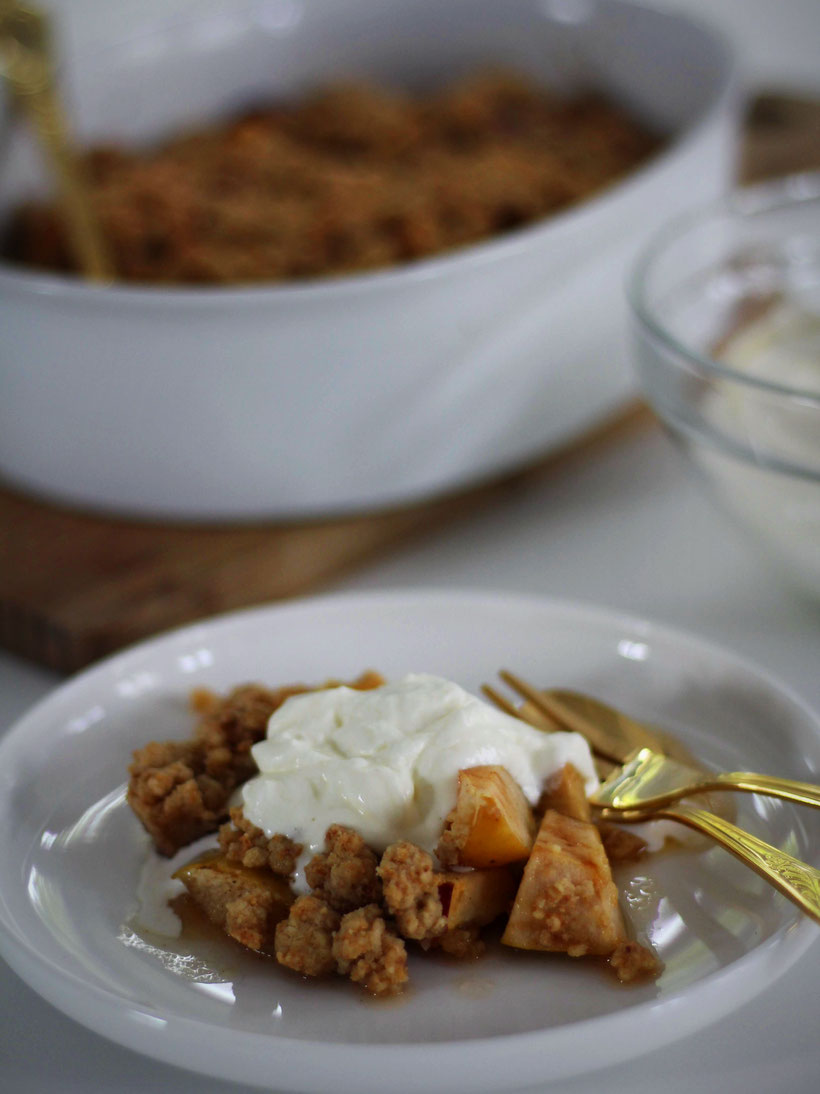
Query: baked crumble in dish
(537, 865)
(353, 177)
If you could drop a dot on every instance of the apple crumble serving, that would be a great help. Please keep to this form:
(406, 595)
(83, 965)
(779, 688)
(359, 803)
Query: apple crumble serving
(517, 849)
(350, 178)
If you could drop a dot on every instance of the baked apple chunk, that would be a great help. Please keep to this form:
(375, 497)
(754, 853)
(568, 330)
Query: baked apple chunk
(491, 824)
(246, 903)
(567, 901)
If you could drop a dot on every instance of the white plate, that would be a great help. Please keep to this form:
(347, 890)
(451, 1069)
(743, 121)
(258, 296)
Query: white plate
(72, 852)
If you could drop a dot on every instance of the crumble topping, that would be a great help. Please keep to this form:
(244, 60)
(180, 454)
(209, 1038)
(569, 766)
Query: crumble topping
(370, 952)
(180, 789)
(243, 842)
(411, 891)
(345, 875)
(349, 178)
(304, 941)
(632, 961)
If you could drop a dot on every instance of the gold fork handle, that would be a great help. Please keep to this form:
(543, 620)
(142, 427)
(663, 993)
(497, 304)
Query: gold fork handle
(790, 789)
(45, 114)
(794, 879)
(26, 64)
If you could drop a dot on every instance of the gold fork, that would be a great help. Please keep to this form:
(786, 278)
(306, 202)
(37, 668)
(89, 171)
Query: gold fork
(793, 878)
(649, 780)
(649, 777)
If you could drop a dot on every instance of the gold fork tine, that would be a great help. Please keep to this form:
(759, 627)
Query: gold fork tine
(795, 879)
(540, 720)
(527, 713)
(648, 776)
(556, 712)
(625, 733)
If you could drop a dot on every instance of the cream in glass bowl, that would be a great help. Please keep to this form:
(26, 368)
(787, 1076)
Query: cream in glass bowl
(726, 309)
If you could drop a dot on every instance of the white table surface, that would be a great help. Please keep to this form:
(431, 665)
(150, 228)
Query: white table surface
(627, 529)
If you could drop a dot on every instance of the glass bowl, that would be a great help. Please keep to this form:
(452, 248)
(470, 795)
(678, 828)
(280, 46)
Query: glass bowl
(726, 315)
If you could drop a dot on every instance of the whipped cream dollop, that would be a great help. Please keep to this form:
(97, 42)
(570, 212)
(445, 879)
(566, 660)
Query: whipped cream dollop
(782, 510)
(782, 345)
(386, 761)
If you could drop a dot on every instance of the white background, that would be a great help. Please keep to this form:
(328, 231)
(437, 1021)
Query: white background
(778, 41)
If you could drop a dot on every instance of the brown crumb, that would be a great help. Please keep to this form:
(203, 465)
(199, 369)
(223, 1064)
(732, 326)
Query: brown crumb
(453, 837)
(345, 875)
(304, 941)
(411, 892)
(465, 943)
(620, 845)
(243, 842)
(369, 952)
(632, 961)
(246, 920)
(203, 701)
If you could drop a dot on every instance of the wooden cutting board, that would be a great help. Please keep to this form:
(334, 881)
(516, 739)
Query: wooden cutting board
(74, 587)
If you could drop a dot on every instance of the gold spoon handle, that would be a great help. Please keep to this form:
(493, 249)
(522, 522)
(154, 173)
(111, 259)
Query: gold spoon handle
(790, 789)
(25, 61)
(794, 879)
